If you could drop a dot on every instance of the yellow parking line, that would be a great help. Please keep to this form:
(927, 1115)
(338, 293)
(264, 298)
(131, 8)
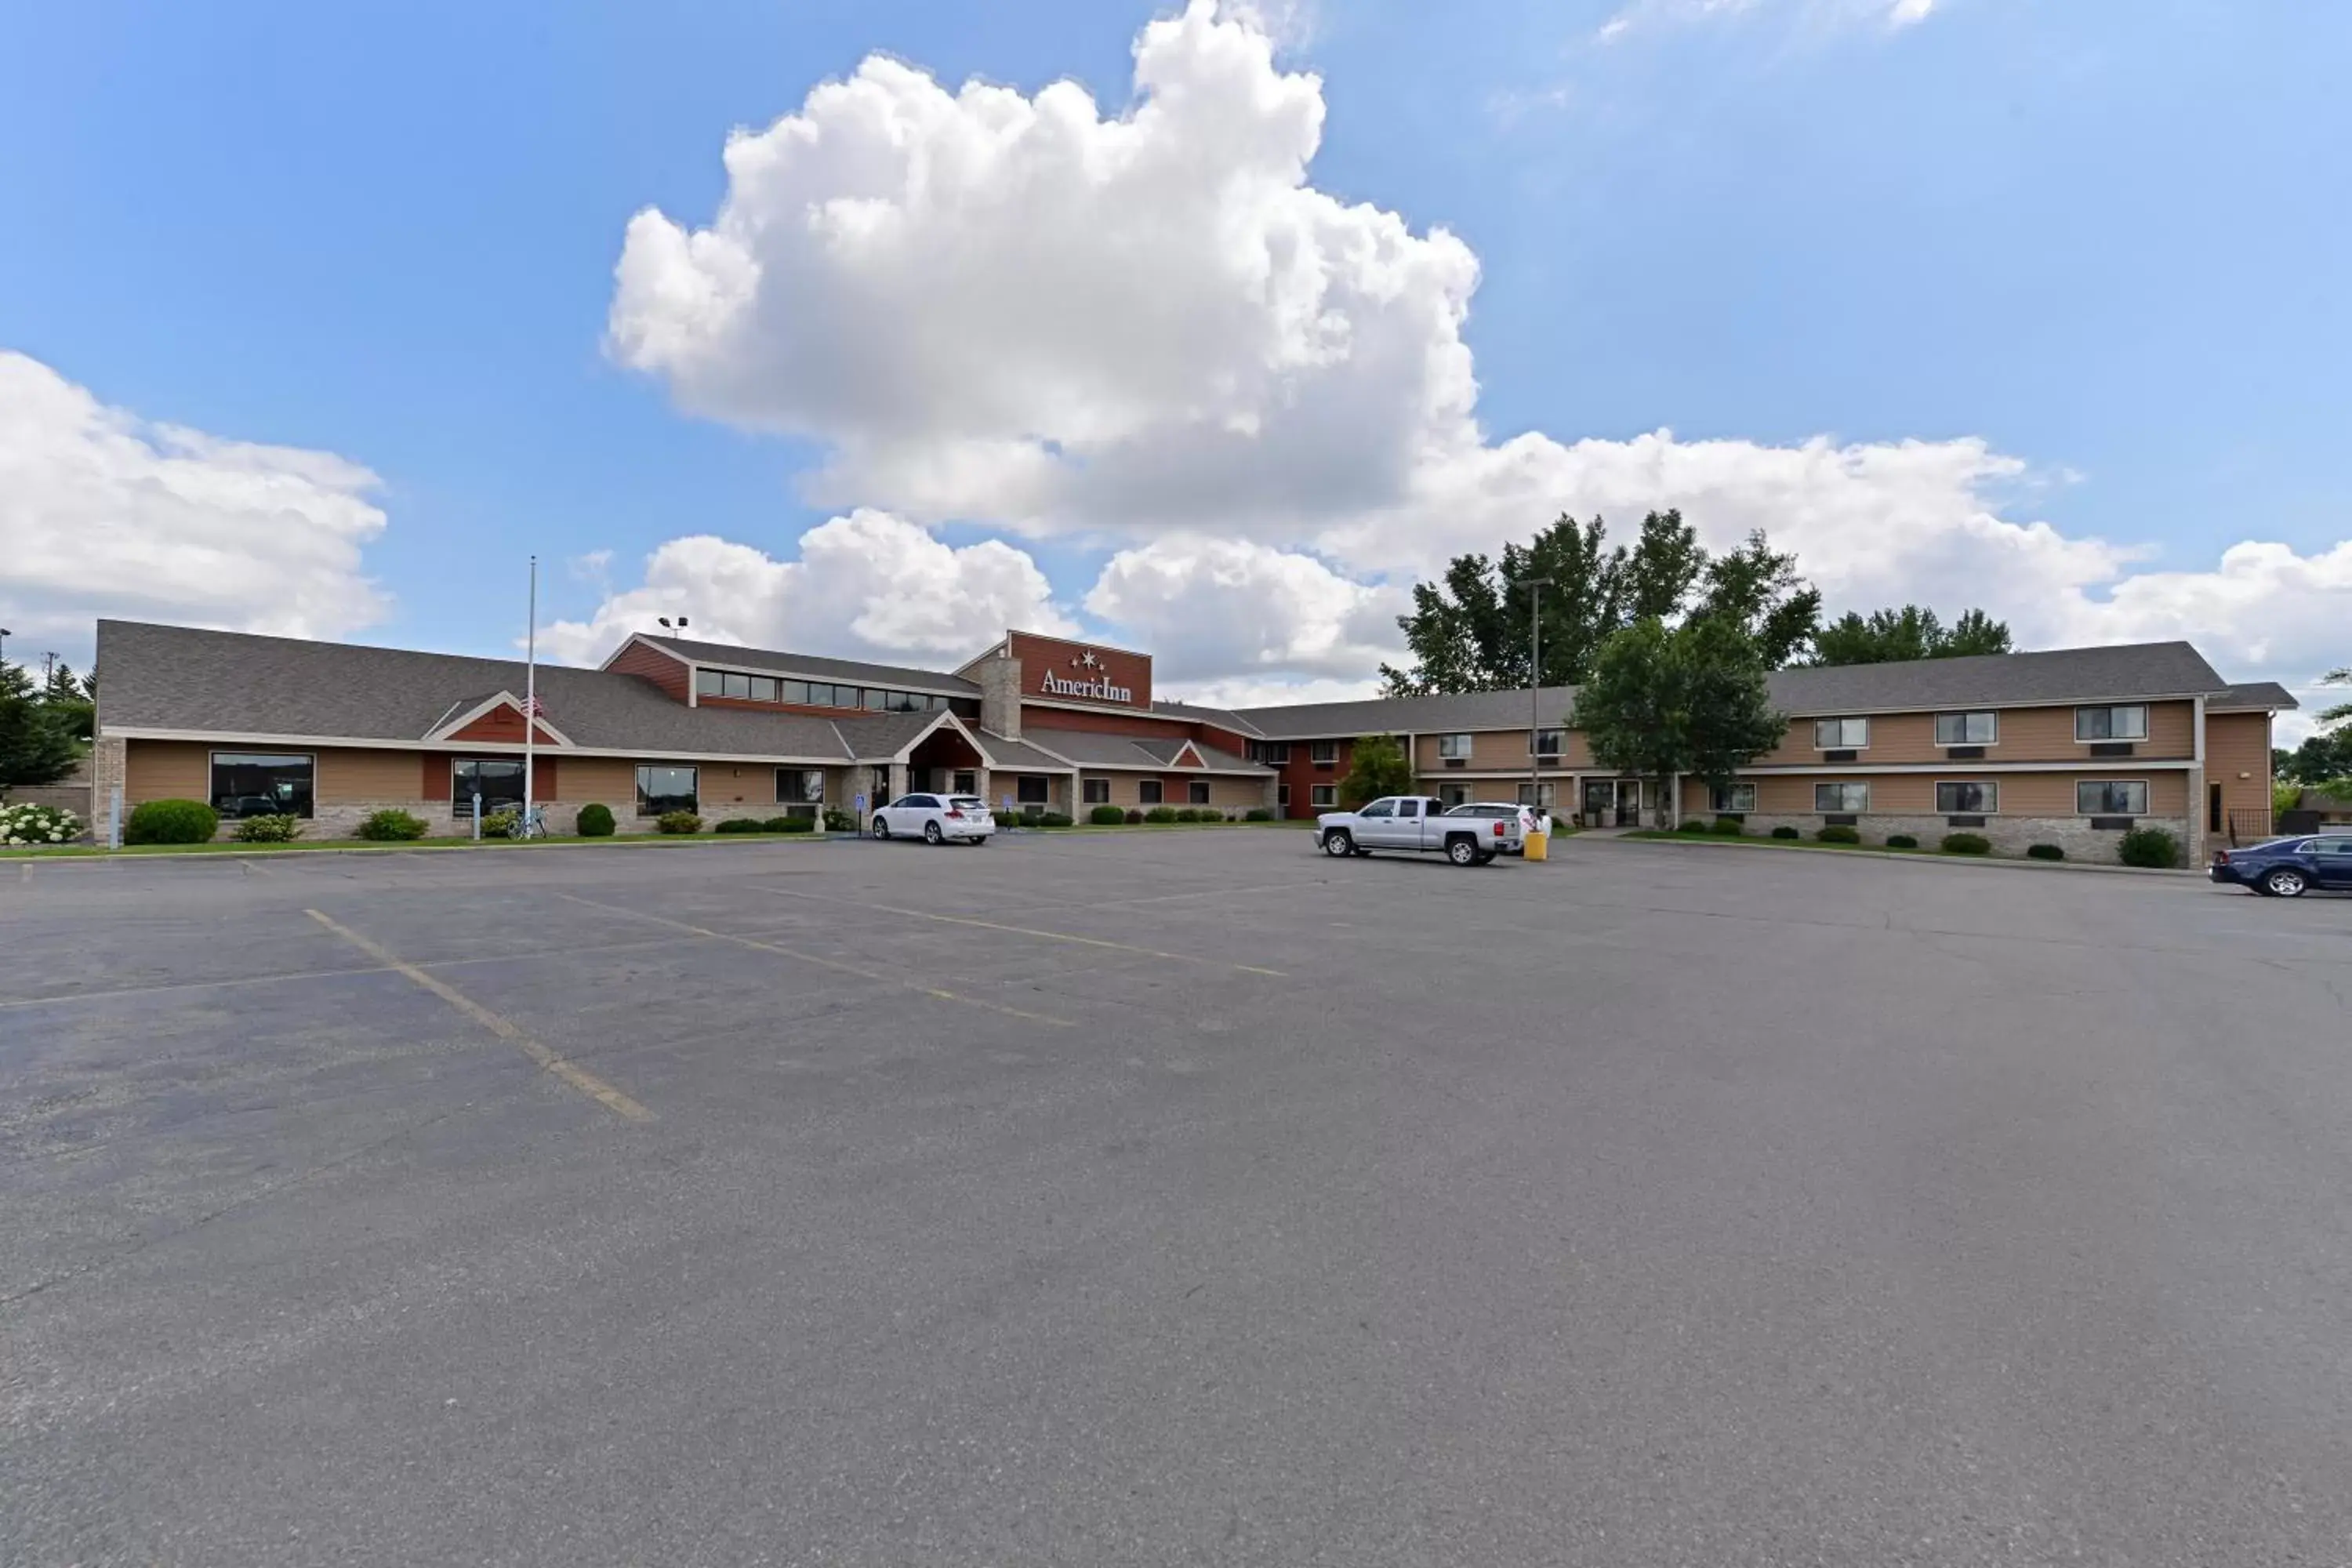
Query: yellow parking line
(586, 1082)
(942, 993)
(1025, 930)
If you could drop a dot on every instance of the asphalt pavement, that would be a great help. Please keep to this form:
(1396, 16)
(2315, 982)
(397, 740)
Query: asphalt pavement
(1169, 1198)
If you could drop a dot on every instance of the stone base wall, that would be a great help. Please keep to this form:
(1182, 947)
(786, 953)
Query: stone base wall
(341, 818)
(2009, 835)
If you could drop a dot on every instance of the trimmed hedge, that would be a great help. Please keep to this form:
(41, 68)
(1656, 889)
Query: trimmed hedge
(1785, 831)
(1054, 819)
(1901, 841)
(739, 824)
(679, 822)
(1258, 814)
(1107, 816)
(595, 822)
(1838, 833)
(1965, 844)
(1187, 814)
(1134, 816)
(279, 828)
(1160, 814)
(789, 824)
(2045, 852)
(171, 822)
(2152, 847)
(1690, 824)
(1730, 827)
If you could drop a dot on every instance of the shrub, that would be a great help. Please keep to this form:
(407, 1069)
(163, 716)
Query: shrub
(2045, 852)
(279, 828)
(595, 822)
(1160, 814)
(1730, 826)
(29, 824)
(1187, 814)
(1785, 831)
(679, 822)
(500, 824)
(839, 821)
(1107, 816)
(1690, 825)
(1838, 833)
(1901, 841)
(1965, 844)
(1258, 814)
(792, 825)
(171, 822)
(1134, 814)
(2149, 847)
(1054, 819)
(739, 824)
(390, 825)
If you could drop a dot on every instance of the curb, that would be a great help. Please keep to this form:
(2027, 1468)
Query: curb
(2008, 863)
(426, 847)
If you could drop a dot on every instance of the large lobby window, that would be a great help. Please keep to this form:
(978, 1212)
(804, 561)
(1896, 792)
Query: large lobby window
(498, 779)
(800, 791)
(661, 789)
(257, 784)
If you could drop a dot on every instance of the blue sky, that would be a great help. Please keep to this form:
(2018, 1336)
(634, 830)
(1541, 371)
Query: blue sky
(2097, 238)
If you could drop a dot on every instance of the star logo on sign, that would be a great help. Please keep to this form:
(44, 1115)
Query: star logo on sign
(1088, 659)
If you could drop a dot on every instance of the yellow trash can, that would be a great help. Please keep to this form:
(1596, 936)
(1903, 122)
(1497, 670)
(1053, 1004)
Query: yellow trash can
(1539, 845)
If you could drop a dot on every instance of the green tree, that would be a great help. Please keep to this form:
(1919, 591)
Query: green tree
(2317, 759)
(1379, 767)
(1886, 637)
(2331, 716)
(1663, 570)
(1756, 589)
(35, 747)
(1665, 701)
(70, 701)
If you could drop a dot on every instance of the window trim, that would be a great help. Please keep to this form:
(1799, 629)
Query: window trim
(1087, 788)
(1733, 810)
(1460, 744)
(1992, 785)
(462, 810)
(2147, 797)
(1537, 734)
(1964, 714)
(1323, 753)
(1862, 810)
(639, 793)
(212, 761)
(2111, 708)
(1323, 796)
(823, 785)
(1196, 792)
(1861, 745)
(1150, 792)
(1021, 783)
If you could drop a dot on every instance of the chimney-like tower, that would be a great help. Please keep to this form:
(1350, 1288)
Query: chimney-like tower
(1000, 695)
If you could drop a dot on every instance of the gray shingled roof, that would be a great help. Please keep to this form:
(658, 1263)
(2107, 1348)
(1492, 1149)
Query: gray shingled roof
(2010, 679)
(232, 683)
(1094, 749)
(809, 664)
(2268, 694)
(1009, 753)
(1223, 718)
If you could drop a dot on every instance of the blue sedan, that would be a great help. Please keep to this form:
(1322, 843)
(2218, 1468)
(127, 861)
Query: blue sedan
(2289, 868)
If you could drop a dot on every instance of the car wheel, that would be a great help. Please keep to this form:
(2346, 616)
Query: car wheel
(1461, 852)
(1337, 843)
(931, 834)
(2285, 882)
(880, 829)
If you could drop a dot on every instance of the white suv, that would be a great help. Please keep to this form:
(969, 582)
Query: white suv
(934, 818)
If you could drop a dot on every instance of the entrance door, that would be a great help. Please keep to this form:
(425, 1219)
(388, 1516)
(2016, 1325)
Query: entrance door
(1600, 797)
(1629, 803)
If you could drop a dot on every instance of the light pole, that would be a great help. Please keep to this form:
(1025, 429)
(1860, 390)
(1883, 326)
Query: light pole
(1535, 586)
(4, 634)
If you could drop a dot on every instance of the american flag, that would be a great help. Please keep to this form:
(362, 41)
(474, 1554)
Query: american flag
(534, 707)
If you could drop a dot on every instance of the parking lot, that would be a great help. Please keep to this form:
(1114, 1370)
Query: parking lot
(1168, 1197)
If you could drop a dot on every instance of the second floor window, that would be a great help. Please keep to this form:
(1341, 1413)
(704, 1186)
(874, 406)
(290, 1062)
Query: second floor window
(1456, 746)
(1841, 734)
(1324, 751)
(1967, 729)
(1545, 743)
(2125, 723)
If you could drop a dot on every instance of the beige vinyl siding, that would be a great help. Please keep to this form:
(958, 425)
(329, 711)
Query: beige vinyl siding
(2235, 745)
(1500, 751)
(604, 781)
(2053, 794)
(172, 770)
(1225, 793)
(347, 775)
(2027, 735)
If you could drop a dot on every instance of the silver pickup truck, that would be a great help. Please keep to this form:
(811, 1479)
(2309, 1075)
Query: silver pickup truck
(1411, 822)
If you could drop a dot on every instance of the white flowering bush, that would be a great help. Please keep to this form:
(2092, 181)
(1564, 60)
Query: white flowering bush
(23, 827)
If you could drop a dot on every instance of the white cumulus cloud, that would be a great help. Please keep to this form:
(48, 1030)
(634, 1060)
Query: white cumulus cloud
(866, 585)
(102, 513)
(1145, 332)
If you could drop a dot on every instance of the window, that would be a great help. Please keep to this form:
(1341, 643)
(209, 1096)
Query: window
(2111, 797)
(1840, 798)
(254, 783)
(1454, 746)
(1277, 752)
(1841, 734)
(2335, 849)
(1096, 791)
(1541, 799)
(876, 701)
(763, 688)
(919, 801)
(1323, 753)
(1379, 808)
(2112, 723)
(792, 691)
(1033, 789)
(1545, 743)
(1733, 799)
(662, 789)
(709, 683)
(498, 779)
(966, 782)
(1282, 795)
(1967, 729)
(1408, 808)
(736, 685)
(906, 702)
(1967, 799)
(1453, 795)
(1323, 795)
(1197, 792)
(801, 791)
(1148, 792)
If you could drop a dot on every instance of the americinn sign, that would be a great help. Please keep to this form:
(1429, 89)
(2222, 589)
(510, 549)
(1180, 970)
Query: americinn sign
(1087, 678)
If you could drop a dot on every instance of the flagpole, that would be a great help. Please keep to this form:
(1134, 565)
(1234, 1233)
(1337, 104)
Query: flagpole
(531, 692)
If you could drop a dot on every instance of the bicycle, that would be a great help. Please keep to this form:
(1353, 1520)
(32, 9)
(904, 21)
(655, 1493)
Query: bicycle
(531, 824)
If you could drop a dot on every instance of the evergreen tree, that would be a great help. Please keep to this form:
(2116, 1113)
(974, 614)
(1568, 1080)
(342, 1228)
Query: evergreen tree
(36, 747)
